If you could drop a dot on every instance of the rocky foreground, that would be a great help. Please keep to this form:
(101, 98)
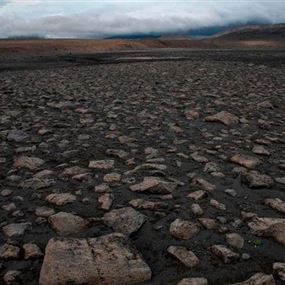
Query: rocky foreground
(169, 172)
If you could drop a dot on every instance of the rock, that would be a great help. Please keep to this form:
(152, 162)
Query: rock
(223, 117)
(6, 192)
(17, 136)
(224, 253)
(197, 195)
(147, 205)
(280, 180)
(187, 257)
(202, 184)
(260, 225)
(60, 199)
(207, 223)
(154, 185)
(183, 229)
(32, 251)
(199, 158)
(277, 232)
(74, 170)
(265, 104)
(101, 164)
(147, 166)
(280, 268)
(212, 167)
(231, 192)
(245, 160)
(65, 223)
(105, 260)
(31, 163)
(15, 230)
(37, 183)
(44, 212)
(197, 210)
(235, 240)
(258, 279)
(276, 204)
(193, 281)
(124, 220)
(261, 150)
(106, 201)
(9, 251)
(11, 276)
(218, 205)
(191, 114)
(112, 177)
(256, 180)
(103, 188)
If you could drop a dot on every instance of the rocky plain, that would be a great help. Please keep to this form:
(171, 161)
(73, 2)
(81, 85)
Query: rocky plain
(158, 167)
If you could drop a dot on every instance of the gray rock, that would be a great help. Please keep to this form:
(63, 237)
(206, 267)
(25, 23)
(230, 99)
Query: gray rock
(125, 220)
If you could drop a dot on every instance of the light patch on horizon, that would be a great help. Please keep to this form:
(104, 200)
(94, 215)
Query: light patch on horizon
(109, 18)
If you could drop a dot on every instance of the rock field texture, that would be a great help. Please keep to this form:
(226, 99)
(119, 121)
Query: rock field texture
(159, 172)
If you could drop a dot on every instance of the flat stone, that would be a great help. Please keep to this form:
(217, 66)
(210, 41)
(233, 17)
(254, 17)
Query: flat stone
(74, 170)
(147, 205)
(112, 177)
(258, 279)
(32, 251)
(105, 260)
(197, 210)
(218, 205)
(235, 240)
(245, 160)
(154, 185)
(197, 195)
(280, 268)
(11, 276)
(254, 179)
(208, 223)
(101, 164)
(199, 158)
(106, 201)
(9, 251)
(193, 281)
(37, 183)
(44, 212)
(15, 230)
(224, 253)
(277, 232)
(60, 199)
(223, 117)
(124, 220)
(183, 229)
(202, 184)
(17, 136)
(66, 223)
(261, 150)
(31, 163)
(187, 257)
(276, 204)
(261, 225)
(191, 114)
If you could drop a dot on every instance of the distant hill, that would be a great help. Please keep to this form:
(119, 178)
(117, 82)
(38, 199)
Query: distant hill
(261, 32)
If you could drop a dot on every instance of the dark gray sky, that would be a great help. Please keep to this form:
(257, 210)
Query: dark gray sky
(66, 18)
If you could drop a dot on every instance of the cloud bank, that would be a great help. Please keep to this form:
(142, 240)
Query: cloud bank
(110, 18)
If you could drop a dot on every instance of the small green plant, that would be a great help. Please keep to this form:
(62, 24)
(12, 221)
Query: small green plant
(257, 242)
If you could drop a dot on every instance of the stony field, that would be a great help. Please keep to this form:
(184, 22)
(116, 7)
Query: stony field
(148, 171)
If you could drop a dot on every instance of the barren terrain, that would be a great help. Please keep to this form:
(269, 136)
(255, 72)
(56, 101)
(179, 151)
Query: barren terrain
(144, 167)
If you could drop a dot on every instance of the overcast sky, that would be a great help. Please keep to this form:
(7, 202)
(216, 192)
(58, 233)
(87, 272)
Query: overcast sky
(82, 18)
